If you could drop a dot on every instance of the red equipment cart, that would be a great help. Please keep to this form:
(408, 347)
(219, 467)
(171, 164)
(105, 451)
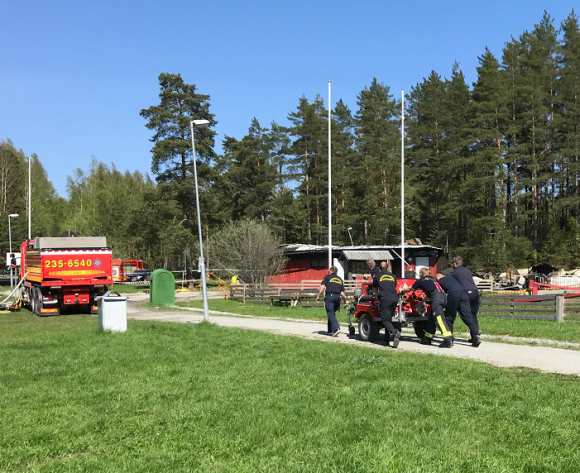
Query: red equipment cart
(412, 309)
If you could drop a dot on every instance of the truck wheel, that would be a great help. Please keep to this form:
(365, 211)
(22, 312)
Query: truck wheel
(420, 329)
(367, 329)
(38, 302)
(31, 303)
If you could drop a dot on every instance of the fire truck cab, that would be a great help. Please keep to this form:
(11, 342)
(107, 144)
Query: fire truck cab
(124, 268)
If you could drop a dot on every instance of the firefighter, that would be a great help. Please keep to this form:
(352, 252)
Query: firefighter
(334, 287)
(429, 286)
(457, 300)
(374, 269)
(465, 277)
(386, 283)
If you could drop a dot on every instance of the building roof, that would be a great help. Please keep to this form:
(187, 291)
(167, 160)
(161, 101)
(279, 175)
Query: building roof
(359, 255)
(292, 249)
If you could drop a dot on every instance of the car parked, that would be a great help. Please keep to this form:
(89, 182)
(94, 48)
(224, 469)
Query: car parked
(139, 275)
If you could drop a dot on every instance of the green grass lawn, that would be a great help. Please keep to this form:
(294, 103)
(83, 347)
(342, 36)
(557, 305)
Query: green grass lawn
(265, 310)
(568, 331)
(180, 398)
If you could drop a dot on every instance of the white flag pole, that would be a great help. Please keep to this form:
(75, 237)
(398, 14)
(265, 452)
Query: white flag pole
(329, 183)
(402, 183)
(29, 195)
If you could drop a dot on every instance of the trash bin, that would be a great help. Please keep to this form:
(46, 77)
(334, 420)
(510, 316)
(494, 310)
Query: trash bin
(162, 288)
(113, 312)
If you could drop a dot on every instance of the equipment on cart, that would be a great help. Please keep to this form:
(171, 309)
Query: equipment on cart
(413, 309)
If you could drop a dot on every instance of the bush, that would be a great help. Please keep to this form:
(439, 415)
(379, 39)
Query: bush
(248, 248)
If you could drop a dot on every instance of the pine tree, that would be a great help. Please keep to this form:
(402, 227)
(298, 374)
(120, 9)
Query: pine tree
(378, 144)
(345, 208)
(251, 173)
(488, 125)
(426, 108)
(569, 64)
(172, 158)
(282, 219)
(453, 225)
(309, 165)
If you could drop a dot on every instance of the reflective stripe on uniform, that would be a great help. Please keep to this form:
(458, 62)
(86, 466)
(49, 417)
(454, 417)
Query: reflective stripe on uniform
(429, 335)
(446, 333)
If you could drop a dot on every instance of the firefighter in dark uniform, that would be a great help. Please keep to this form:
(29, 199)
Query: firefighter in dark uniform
(386, 283)
(465, 277)
(374, 269)
(457, 300)
(334, 287)
(438, 299)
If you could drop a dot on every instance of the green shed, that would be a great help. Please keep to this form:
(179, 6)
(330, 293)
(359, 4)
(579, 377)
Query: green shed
(162, 288)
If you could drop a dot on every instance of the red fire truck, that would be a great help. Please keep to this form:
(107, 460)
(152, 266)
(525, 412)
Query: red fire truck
(60, 272)
(123, 268)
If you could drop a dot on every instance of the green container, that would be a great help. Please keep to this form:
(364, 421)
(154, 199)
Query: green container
(162, 287)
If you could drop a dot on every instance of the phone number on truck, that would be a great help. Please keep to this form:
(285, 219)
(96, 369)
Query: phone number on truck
(77, 263)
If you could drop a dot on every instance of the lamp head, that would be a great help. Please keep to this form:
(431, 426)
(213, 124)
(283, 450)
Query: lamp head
(200, 123)
(13, 215)
(348, 229)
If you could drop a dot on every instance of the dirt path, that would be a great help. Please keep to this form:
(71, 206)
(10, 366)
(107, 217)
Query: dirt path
(546, 359)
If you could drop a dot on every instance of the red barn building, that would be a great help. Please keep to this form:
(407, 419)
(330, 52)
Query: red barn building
(310, 262)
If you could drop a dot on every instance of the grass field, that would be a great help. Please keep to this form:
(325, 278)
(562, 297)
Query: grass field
(568, 331)
(173, 397)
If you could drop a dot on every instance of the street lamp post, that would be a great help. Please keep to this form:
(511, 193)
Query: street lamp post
(10, 245)
(199, 124)
(350, 236)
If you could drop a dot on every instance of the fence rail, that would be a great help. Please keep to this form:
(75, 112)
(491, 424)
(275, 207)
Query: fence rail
(553, 307)
(303, 294)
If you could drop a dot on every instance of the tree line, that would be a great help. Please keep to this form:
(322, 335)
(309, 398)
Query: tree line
(492, 169)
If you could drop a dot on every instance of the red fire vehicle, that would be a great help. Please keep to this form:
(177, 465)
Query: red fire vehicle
(368, 315)
(123, 268)
(64, 271)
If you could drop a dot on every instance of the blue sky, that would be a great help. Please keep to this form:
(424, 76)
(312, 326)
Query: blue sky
(74, 74)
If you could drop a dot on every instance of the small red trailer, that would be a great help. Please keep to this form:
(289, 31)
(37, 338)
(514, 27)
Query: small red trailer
(64, 271)
(368, 314)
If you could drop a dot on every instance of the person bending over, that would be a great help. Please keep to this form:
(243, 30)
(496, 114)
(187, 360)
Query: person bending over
(457, 300)
(438, 299)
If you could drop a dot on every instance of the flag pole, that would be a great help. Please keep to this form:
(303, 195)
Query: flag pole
(329, 183)
(29, 195)
(402, 183)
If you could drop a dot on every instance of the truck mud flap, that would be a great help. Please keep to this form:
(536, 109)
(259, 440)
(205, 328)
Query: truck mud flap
(49, 311)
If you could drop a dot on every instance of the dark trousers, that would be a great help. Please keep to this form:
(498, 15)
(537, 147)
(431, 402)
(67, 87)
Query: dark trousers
(387, 312)
(332, 304)
(437, 318)
(458, 301)
(474, 304)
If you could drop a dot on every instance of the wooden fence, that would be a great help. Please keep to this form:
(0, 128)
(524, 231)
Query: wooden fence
(524, 307)
(554, 307)
(349, 286)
